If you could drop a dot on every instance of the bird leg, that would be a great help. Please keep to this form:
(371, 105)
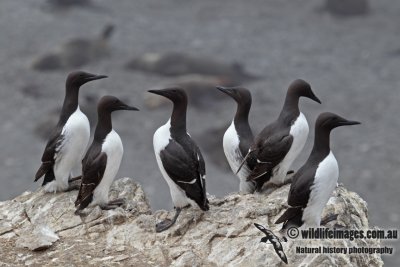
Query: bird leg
(75, 179)
(113, 204)
(72, 187)
(167, 223)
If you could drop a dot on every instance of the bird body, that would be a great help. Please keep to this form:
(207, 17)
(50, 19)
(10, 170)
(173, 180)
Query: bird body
(315, 181)
(238, 137)
(68, 141)
(102, 160)
(114, 150)
(277, 146)
(179, 158)
(74, 139)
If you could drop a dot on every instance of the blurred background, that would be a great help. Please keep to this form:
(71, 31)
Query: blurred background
(349, 51)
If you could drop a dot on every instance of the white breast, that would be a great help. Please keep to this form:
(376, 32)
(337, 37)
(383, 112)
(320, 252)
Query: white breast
(161, 139)
(112, 146)
(325, 181)
(234, 156)
(76, 132)
(299, 130)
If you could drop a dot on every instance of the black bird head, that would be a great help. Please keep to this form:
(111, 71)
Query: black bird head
(302, 88)
(239, 94)
(176, 95)
(78, 78)
(329, 121)
(111, 103)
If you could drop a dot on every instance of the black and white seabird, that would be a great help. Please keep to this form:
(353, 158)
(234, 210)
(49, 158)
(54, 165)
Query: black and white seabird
(102, 160)
(271, 237)
(70, 138)
(279, 143)
(315, 181)
(239, 137)
(179, 158)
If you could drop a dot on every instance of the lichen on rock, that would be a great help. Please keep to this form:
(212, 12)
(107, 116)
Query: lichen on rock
(223, 236)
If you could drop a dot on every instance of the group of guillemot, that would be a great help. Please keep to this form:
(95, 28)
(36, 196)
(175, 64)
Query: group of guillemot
(259, 162)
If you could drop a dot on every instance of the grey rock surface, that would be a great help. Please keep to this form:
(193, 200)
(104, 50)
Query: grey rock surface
(224, 236)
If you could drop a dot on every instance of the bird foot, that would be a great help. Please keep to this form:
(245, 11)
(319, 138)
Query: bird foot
(167, 223)
(72, 187)
(164, 225)
(77, 178)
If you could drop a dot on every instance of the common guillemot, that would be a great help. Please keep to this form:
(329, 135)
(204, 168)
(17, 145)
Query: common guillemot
(314, 182)
(279, 143)
(179, 158)
(102, 160)
(239, 137)
(68, 141)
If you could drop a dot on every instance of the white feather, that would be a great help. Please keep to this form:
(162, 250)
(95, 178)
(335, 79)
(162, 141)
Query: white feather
(299, 131)
(76, 132)
(160, 141)
(114, 150)
(235, 158)
(325, 182)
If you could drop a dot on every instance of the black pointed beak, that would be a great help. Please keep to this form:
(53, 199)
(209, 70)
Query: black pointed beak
(347, 122)
(157, 92)
(126, 107)
(315, 98)
(229, 91)
(95, 77)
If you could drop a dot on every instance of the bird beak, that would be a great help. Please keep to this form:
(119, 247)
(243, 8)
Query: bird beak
(95, 77)
(126, 107)
(314, 97)
(347, 122)
(227, 91)
(157, 92)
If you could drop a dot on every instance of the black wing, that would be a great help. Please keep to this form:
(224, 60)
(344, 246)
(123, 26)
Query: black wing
(48, 157)
(186, 170)
(300, 188)
(269, 153)
(92, 172)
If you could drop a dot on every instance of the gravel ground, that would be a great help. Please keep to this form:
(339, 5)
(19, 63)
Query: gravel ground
(351, 63)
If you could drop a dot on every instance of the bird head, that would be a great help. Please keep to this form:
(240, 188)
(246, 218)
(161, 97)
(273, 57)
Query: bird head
(330, 121)
(176, 95)
(239, 94)
(301, 88)
(78, 78)
(111, 103)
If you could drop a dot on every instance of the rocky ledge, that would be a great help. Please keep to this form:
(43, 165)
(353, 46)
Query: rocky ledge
(38, 229)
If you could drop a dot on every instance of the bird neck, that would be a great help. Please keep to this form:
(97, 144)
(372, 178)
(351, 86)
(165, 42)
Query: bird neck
(104, 125)
(321, 142)
(70, 103)
(241, 118)
(178, 118)
(290, 109)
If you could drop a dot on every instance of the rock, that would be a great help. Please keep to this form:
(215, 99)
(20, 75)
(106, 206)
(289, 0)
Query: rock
(177, 64)
(200, 89)
(76, 52)
(223, 236)
(347, 7)
(41, 238)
